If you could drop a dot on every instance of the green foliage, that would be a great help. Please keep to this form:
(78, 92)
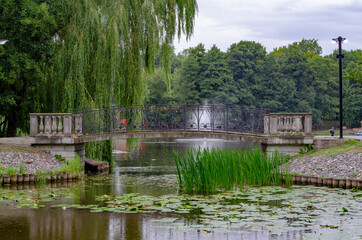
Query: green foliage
(59, 157)
(217, 84)
(105, 49)
(22, 169)
(11, 171)
(41, 177)
(157, 88)
(293, 78)
(73, 166)
(107, 44)
(30, 27)
(101, 151)
(245, 62)
(207, 171)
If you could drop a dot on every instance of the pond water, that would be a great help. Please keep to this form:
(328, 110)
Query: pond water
(140, 201)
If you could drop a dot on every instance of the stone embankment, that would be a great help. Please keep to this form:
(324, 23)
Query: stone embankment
(20, 165)
(342, 170)
(32, 160)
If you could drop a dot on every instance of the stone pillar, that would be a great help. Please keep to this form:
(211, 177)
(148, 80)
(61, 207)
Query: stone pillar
(266, 124)
(273, 127)
(67, 127)
(308, 124)
(298, 124)
(33, 124)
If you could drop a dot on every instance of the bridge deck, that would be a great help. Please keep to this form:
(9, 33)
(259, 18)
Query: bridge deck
(79, 139)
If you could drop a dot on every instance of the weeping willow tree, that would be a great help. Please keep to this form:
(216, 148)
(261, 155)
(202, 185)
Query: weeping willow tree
(107, 45)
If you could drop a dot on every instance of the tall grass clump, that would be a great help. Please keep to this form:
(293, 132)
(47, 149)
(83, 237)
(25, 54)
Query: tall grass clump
(73, 166)
(206, 171)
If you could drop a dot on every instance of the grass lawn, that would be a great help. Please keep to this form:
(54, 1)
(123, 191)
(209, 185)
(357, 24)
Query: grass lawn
(348, 146)
(8, 148)
(336, 133)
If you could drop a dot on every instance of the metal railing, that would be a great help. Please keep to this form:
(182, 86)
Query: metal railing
(171, 117)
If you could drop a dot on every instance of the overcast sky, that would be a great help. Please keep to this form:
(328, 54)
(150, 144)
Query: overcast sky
(275, 23)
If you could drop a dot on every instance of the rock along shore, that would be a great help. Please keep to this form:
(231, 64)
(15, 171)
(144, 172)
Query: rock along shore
(31, 159)
(346, 165)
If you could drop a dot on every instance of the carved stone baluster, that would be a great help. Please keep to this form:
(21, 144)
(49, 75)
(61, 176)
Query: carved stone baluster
(289, 124)
(78, 124)
(294, 122)
(60, 126)
(41, 127)
(286, 124)
(280, 124)
(54, 125)
(48, 128)
(283, 124)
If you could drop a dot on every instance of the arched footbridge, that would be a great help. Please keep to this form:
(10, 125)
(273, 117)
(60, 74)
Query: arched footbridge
(66, 133)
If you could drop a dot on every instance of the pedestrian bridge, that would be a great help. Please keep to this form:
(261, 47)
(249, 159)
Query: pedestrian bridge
(66, 133)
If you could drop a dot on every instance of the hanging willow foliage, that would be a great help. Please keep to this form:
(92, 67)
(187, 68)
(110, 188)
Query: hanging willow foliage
(107, 44)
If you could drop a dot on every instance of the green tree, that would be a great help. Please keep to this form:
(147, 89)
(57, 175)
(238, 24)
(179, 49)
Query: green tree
(157, 92)
(188, 78)
(272, 89)
(245, 61)
(326, 87)
(105, 48)
(30, 27)
(107, 44)
(217, 84)
(352, 89)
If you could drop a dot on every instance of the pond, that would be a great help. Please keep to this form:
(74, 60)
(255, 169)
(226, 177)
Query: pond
(140, 201)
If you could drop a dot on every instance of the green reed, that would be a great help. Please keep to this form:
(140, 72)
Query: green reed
(206, 171)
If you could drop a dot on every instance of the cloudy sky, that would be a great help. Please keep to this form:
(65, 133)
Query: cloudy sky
(275, 23)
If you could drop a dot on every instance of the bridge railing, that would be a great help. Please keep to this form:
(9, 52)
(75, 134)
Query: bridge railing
(288, 123)
(55, 124)
(171, 117)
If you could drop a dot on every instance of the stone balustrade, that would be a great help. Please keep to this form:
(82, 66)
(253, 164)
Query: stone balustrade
(66, 133)
(55, 124)
(288, 123)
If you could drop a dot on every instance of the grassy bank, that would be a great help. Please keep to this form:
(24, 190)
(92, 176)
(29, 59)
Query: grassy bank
(348, 146)
(41, 175)
(209, 170)
(336, 132)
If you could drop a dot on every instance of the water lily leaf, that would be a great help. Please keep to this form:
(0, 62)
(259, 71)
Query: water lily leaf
(165, 220)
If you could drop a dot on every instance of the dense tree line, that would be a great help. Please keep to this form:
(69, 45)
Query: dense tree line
(293, 78)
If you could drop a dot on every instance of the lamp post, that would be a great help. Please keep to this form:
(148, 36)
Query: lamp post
(340, 40)
(3, 41)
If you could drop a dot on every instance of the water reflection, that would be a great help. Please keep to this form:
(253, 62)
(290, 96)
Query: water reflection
(158, 152)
